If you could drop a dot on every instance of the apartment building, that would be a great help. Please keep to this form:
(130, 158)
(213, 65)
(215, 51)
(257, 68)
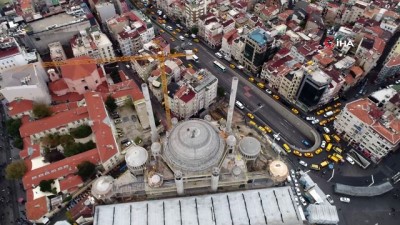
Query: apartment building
(105, 10)
(194, 10)
(12, 55)
(352, 13)
(369, 51)
(93, 43)
(57, 52)
(290, 84)
(257, 43)
(227, 42)
(391, 69)
(370, 128)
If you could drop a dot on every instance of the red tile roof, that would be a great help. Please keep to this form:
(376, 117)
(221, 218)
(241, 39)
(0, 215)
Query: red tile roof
(34, 148)
(58, 169)
(19, 106)
(359, 108)
(79, 71)
(70, 182)
(357, 71)
(69, 97)
(37, 208)
(186, 97)
(58, 85)
(394, 61)
(105, 141)
(125, 88)
(56, 121)
(9, 52)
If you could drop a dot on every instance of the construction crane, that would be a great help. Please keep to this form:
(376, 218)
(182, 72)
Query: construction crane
(160, 57)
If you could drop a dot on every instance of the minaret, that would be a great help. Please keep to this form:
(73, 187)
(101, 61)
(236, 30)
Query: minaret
(154, 134)
(231, 107)
(179, 183)
(215, 179)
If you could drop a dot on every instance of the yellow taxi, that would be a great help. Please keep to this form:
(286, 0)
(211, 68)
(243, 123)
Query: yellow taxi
(336, 111)
(336, 137)
(333, 158)
(195, 50)
(337, 104)
(196, 40)
(332, 118)
(324, 163)
(261, 85)
(252, 123)
(172, 39)
(315, 167)
(297, 153)
(173, 32)
(190, 65)
(262, 129)
(287, 148)
(295, 111)
(232, 66)
(267, 129)
(320, 112)
(329, 108)
(178, 30)
(323, 122)
(308, 155)
(276, 97)
(318, 151)
(251, 116)
(251, 79)
(162, 31)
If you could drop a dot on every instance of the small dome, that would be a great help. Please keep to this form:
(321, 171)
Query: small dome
(236, 171)
(174, 121)
(250, 147)
(102, 186)
(155, 179)
(207, 118)
(156, 148)
(278, 168)
(136, 156)
(231, 140)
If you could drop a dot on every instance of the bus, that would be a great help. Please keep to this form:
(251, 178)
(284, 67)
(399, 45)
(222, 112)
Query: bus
(195, 58)
(220, 66)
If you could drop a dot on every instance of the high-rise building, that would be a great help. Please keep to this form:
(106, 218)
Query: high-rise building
(257, 43)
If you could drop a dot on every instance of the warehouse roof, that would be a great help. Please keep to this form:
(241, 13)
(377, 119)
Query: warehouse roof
(261, 206)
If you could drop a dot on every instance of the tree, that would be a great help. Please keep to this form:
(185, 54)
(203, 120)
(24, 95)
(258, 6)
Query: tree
(81, 132)
(18, 143)
(110, 104)
(41, 110)
(13, 126)
(16, 170)
(86, 170)
(194, 30)
(76, 148)
(45, 185)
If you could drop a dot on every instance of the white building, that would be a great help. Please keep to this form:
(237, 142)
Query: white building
(105, 10)
(57, 52)
(193, 10)
(26, 82)
(373, 130)
(12, 55)
(290, 84)
(92, 42)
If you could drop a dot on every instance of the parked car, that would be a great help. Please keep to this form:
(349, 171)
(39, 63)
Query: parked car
(219, 55)
(327, 130)
(344, 199)
(318, 151)
(251, 79)
(268, 129)
(329, 199)
(350, 160)
(295, 111)
(268, 91)
(337, 104)
(315, 121)
(315, 167)
(323, 144)
(309, 118)
(308, 155)
(297, 153)
(276, 97)
(298, 192)
(327, 109)
(320, 112)
(303, 163)
(251, 116)
(305, 142)
(303, 201)
(276, 136)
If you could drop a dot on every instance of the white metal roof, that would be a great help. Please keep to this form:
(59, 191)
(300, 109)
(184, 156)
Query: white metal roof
(256, 207)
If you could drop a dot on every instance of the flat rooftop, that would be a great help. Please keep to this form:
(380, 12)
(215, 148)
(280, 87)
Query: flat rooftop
(261, 206)
(260, 36)
(59, 19)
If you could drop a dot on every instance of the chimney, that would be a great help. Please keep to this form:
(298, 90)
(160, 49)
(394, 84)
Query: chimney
(154, 134)
(231, 107)
(179, 183)
(215, 179)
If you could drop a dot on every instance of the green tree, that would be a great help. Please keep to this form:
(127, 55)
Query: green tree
(41, 110)
(76, 148)
(194, 30)
(81, 132)
(110, 104)
(18, 143)
(13, 126)
(16, 170)
(86, 170)
(45, 185)
(51, 140)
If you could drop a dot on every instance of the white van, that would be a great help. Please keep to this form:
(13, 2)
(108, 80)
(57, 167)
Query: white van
(239, 105)
(182, 38)
(195, 58)
(219, 55)
(328, 114)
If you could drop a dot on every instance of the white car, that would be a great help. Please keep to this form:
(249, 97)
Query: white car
(298, 191)
(296, 199)
(327, 130)
(323, 144)
(329, 199)
(190, 44)
(219, 55)
(303, 201)
(344, 199)
(296, 184)
(397, 82)
(292, 172)
(310, 118)
(315, 121)
(303, 163)
(350, 160)
(276, 136)
(268, 91)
